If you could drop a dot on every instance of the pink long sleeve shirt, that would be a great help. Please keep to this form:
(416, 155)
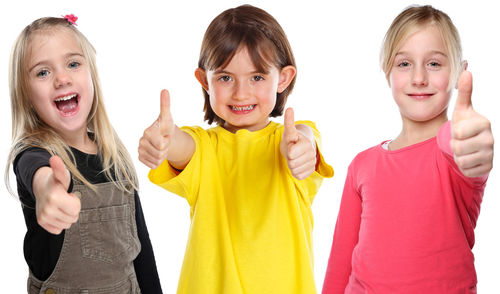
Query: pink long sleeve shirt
(406, 223)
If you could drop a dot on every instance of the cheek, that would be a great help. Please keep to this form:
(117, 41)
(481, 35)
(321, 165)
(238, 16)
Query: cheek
(90, 84)
(36, 96)
(215, 93)
(440, 82)
(268, 93)
(397, 84)
(397, 81)
(41, 105)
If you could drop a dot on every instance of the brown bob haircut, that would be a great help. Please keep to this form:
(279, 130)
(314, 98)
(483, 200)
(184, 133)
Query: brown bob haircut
(253, 28)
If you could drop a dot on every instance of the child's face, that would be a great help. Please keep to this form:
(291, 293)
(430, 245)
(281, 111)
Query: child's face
(420, 75)
(61, 89)
(242, 96)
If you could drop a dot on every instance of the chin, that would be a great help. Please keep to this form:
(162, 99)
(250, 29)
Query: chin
(422, 118)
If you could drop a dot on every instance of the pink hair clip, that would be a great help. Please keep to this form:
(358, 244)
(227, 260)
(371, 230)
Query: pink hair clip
(71, 18)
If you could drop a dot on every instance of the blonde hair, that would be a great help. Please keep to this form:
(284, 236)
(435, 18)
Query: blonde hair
(28, 130)
(412, 19)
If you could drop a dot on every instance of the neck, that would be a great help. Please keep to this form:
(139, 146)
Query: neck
(415, 132)
(81, 142)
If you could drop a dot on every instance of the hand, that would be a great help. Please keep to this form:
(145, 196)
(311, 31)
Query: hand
(153, 146)
(298, 149)
(472, 140)
(56, 209)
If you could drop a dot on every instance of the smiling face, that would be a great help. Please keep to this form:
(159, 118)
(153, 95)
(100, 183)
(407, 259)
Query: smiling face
(60, 83)
(420, 76)
(241, 95)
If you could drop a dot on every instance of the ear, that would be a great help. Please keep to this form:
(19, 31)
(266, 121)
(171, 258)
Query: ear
(286, 76)
(201, 76)
(464, 65)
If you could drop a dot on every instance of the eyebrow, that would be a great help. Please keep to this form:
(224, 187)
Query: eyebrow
(434, 52)
(222, 71)
(66, 56)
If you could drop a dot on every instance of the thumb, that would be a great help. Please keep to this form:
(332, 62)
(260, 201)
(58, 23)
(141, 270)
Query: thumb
(165, 118)
(61, 174)
(290, 134)
(464, 98)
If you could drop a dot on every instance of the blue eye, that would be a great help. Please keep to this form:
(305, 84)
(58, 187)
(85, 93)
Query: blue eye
(42, 73)
(74, 64)
(434, 64)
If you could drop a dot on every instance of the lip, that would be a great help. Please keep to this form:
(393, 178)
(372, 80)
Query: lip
(242, 109)
(74, 111)
(420, 96)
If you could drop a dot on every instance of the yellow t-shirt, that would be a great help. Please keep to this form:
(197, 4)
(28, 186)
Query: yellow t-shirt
(251, 220)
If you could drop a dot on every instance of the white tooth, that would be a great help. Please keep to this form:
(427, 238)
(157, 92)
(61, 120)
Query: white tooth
(240, 108)
(66, 98)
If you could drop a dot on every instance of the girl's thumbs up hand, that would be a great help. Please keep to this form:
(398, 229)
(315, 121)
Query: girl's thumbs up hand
(472, 139)
(153, 146)
(56, 209)
(298, 147)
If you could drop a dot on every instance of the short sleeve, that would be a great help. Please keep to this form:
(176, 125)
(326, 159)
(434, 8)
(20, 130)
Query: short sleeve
(323, 170)
(185, 183)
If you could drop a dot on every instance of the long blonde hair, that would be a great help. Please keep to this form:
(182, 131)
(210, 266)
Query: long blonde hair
(28, 130)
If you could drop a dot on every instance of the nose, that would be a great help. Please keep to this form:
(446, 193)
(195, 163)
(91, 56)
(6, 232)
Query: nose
(241, 90)
(62, 79)
(419, 76)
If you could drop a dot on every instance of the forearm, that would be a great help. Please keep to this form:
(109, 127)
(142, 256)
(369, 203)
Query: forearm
(181, 149)
(40, 179)
(306, 131)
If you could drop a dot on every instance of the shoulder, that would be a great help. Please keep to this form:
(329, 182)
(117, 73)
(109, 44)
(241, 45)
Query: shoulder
(307, 123)
(25, 166)
(194, 129)
(279, 126)
(367, 154)
(31, 154)
(197, 133)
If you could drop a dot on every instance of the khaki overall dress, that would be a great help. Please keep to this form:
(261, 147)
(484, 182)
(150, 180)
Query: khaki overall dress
(99, 249)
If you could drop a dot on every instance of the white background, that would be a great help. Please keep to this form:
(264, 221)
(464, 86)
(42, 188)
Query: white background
(146, 46)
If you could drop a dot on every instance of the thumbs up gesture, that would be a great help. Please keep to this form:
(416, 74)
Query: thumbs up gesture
(298, 147)
(154, 144)
(472, 140)
(56, 209)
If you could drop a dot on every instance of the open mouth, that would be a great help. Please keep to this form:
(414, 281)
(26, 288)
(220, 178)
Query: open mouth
(67, 104)
(242, 108)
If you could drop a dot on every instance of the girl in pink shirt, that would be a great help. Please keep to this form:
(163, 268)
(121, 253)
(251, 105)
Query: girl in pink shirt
(410, 205)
